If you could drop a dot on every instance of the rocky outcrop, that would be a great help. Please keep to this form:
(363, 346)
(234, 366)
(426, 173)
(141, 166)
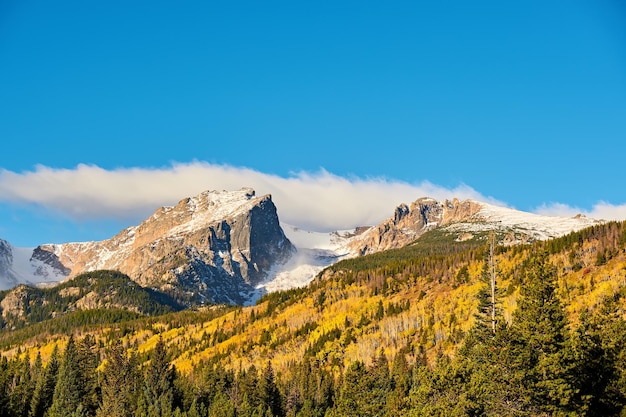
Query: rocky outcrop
(214, 247)
(465, 220)
(410, 222)
(13, 305)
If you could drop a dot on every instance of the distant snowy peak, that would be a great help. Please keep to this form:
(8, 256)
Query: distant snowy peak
(535, 226)
(335, 241)
(28, 266)
(228, 246)
(467, 217)
(215, 246)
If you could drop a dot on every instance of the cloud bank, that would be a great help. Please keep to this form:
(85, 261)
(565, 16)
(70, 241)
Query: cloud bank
(318, 201)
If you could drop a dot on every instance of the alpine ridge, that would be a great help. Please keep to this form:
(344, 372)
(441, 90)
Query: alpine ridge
(214, 247)
(464, 220)
(229, 247)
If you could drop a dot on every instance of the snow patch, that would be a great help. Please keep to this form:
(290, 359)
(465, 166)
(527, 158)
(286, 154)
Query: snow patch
(26, 270)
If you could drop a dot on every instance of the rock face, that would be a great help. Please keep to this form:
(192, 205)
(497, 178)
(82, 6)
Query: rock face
(463, 219)
(6, 261)
(13, 305)
(219, 246)
(410, 222)
(28, 266)
(213, 247)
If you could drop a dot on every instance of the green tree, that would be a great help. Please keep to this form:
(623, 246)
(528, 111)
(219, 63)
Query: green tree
(268, 391)
(118, 389)
(221, 406)
(400, 385)
(248, 382)
(362, 393)
(69, 390)
(23, 386)
(44, 387)
(4, 386)
(536, 348)
(159, 383)
(88, 362)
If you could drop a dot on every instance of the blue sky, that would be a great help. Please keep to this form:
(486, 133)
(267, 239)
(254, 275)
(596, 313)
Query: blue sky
(340, 109)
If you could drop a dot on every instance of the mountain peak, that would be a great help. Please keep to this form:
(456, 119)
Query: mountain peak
(215, 246)
(463, 217)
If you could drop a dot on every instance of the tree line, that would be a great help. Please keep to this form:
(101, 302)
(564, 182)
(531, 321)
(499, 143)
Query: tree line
(538, 364)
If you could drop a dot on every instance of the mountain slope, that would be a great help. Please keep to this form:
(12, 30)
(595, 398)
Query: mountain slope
(110, 290)
(465, 219)
(28, 266)
(432, 223)
(228, 247)
(214, 247)
(421, 305)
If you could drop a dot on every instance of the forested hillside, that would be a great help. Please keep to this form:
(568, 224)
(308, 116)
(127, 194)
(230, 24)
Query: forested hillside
(438, 330)
(99, 290)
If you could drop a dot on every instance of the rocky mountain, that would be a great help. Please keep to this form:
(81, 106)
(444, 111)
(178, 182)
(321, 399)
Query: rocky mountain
(28, 266)
(215, 247)
(228, 247)
(459, 221)
(465, 220)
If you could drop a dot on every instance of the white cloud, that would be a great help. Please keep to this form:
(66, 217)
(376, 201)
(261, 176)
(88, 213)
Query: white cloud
(318, 201)
(601, 210)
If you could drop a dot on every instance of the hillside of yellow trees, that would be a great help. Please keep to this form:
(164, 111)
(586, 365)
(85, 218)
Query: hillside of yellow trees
(434, 328)
(403, 300)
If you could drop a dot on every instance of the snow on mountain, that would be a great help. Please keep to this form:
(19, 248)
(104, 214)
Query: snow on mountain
(229, 246)
(533, 226)
(409, 222)
(315, 251)
(24, 266)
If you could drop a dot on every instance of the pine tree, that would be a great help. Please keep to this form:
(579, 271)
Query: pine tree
(221, 406)
(599, 347)
(44, 387)
(249, 382)
(400, 379)
(538, 336)
(159, 383)
(69, 390)
(88, 363)
(4, 387)
(363, 391)
(270, 396)
(489, 310)
(117, 387)
(23, 386)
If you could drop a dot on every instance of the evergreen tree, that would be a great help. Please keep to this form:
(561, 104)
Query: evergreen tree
(379, 383)
(489, 315)
(400, 380)
(270, 396)
(593, 368)
(23, 386)
(221, 406)
(44, 387)
(536, 348)
(117, 386)
(361, 393)
(69, 390)
(88, 362)
(599, 346)
(4, 387)
(159, 383)
(249, 383)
